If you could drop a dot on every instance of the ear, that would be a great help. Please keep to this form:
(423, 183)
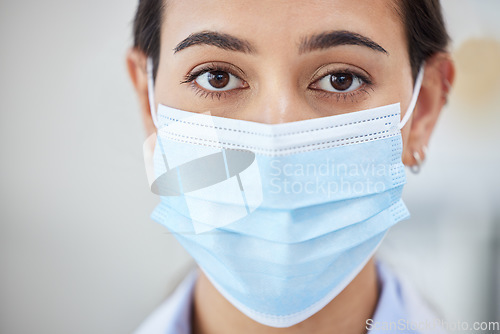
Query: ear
(438, 78)
(136, 65)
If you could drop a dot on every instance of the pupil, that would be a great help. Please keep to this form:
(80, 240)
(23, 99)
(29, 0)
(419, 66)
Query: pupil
(218, 79)
(341, 81)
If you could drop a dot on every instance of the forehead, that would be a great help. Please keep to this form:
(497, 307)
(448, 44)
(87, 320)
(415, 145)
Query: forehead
(281, 24)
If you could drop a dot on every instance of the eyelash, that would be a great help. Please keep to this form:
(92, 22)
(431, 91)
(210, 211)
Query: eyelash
(343, 97)
(191, 77)
(363, 90)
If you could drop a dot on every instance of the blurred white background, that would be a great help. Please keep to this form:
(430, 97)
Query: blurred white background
(78, 252)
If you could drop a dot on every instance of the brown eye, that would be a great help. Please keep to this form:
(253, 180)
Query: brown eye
(341, 82)
(218, 79)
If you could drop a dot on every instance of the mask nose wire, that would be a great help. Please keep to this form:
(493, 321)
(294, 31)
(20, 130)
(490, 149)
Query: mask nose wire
(414, 98)
(151, 90)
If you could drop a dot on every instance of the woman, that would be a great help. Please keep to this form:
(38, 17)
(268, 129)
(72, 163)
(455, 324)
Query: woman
(281, 128)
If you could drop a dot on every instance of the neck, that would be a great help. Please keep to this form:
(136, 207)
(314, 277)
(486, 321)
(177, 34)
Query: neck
(347, 313)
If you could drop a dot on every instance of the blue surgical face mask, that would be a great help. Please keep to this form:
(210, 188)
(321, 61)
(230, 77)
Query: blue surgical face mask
(282, 217)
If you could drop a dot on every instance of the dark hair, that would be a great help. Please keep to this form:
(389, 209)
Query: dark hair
(147, 29)
(423, 19)
(425, 29)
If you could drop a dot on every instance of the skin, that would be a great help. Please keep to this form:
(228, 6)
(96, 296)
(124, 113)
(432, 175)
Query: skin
(278, 83)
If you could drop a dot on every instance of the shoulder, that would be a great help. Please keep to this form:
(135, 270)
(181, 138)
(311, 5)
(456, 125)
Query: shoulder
(174, 314)
(401, 309)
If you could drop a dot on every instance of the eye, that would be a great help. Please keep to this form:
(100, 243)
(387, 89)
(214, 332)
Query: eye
(339, 82)
(219, 81)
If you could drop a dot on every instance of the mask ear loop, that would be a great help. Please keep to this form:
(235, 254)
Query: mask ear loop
(414, 98)
(151, 92)
(152, 108)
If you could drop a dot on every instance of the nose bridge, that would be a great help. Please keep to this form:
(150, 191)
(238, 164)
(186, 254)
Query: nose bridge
(278, 102)
(279, 98)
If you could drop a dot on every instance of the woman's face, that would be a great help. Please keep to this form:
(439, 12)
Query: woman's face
(282, 60)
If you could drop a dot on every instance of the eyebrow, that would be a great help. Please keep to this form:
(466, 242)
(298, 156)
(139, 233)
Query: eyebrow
(220, 40)
(335, 38)
(315, 42)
